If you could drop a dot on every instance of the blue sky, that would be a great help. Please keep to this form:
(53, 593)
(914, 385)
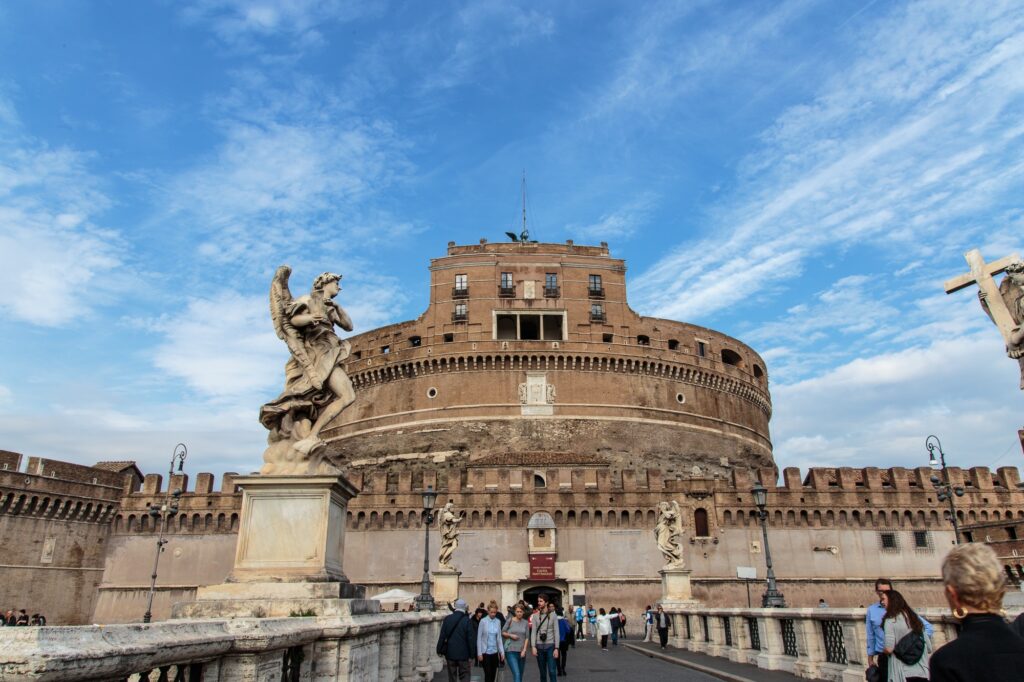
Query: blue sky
(803, 175)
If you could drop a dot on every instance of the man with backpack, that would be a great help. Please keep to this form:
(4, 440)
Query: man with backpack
(566, 638)
(457, 643)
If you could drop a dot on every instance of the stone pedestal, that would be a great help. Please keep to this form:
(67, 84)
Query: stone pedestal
(446, 587)
(289, 553)
(675, 586)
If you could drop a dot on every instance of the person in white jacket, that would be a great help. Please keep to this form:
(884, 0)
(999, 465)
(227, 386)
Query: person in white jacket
(604, 626)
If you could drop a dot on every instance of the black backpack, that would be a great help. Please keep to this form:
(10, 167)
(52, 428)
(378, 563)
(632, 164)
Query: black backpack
(910, 648)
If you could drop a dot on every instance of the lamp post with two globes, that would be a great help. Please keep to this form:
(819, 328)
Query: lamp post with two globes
(772, 598)
(946, 490)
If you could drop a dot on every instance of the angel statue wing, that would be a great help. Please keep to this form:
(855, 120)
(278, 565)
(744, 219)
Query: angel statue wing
(280, 300)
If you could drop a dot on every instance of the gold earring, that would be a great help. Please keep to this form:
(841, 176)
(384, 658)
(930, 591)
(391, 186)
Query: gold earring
(959, 613)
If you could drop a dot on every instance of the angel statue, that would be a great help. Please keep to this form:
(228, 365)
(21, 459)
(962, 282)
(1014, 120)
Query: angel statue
(448, 523)
(669, 531)
(1011, 289)
(316, 386)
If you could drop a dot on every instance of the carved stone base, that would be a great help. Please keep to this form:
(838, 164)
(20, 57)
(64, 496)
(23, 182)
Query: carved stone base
(292, 529)
(446, 586)
(675, 586)
(289, 553)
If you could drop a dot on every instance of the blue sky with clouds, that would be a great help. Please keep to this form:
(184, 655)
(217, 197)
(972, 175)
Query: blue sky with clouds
(801, 174)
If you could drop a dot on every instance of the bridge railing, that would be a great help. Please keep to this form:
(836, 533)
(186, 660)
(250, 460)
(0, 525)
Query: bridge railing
(824, 644)
(384, 646)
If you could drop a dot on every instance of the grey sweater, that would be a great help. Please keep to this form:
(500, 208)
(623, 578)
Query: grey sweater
(545, 623)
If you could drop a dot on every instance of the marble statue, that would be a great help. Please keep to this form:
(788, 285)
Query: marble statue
(316, 386)
(1011, 291)
(448, 523)
(1004, 304)
(669, 533)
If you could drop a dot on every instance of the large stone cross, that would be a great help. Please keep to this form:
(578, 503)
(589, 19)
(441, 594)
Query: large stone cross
(981, 274)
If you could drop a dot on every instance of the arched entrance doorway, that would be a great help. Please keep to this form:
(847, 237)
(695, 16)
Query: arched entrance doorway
(552, 592)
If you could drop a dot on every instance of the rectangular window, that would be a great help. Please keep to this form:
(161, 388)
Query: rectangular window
(596, 312)
(512, 326)
(506, 280)
(461, 281)
(448, 338)
(888, 541)
(385, 349)
(607, 338)
(1011, 533)
(460, 309)
(702, 350)
(921, 539)
(551, 280)
(595, 282)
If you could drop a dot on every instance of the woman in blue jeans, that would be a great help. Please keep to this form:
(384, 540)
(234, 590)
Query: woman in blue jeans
(517, 635)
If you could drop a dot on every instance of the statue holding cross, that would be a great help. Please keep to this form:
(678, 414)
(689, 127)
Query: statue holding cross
(1003, 304)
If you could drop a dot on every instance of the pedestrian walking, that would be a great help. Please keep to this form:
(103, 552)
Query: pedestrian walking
(986, 649)
(622, 623)
(592, 620)
(457, 643)
(580, 615)
(490, 648)
(567, 638)
(604, 626)
(661, 622)
(614, 623)
(905, 642)
(517, 631)
(649, 624)
(544, 639)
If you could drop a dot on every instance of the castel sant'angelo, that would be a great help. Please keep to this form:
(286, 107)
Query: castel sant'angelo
(531, 396)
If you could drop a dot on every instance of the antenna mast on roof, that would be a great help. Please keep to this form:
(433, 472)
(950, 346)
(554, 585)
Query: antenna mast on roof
(523, 236)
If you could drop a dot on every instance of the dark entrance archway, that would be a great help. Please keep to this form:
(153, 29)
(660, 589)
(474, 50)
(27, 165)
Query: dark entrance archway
(553, 594)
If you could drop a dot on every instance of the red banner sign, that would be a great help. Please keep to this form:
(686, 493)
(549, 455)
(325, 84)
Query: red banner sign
(542, 567)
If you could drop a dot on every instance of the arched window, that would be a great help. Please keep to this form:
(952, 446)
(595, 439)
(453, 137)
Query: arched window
(539, 482)
(758, 372)
(700, 523)
(731, 357)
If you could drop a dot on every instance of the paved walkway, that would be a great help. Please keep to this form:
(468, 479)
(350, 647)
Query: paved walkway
(638, 662)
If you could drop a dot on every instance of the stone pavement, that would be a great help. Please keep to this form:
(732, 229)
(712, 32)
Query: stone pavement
(588, 662)
(721, 668)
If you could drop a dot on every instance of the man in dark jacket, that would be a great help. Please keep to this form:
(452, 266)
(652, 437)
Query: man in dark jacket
(457, 643)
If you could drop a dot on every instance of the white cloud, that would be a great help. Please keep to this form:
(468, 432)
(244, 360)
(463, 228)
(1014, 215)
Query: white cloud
(239, 23)
(879, 409)
(223, 347)
(476, 33)
(619, 224)
(56, 263)
(6, 396)
(932, 98)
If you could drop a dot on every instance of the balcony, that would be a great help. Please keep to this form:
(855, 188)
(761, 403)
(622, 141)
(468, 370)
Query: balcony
(460, 317)
(460, 292)
(597, 317)
(595, 292)
(507, 292)
(552, 292)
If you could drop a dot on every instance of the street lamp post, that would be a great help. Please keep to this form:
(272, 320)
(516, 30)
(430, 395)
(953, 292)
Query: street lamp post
(772, 598)
(161, 511)
(425, 602)
(947, 491)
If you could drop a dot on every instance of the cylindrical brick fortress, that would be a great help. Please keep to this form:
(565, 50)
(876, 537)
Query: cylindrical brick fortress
(530, 347)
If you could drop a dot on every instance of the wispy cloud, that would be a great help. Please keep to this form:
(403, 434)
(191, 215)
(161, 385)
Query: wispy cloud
(620, 223)
(476, 33)
(933, 98)
(56, 261)
(241, 24)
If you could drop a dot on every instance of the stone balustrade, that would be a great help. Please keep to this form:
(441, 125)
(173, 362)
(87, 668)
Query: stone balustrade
(396, 647)
(821, 644)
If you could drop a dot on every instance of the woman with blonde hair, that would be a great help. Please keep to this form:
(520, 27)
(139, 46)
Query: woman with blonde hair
(987, 649)
(490, 648)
